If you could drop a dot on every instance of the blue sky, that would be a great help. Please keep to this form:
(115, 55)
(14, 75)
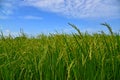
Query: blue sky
(49, 16)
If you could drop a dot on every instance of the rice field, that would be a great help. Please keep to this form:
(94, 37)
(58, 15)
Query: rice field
(76, 56)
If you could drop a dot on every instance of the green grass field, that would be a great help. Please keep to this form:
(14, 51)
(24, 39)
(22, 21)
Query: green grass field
(76, 56)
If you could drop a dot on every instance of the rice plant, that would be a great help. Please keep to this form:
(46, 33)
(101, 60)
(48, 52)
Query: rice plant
(76, 56)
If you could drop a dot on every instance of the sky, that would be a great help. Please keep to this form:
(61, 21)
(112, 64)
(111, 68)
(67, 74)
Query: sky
(51, 16)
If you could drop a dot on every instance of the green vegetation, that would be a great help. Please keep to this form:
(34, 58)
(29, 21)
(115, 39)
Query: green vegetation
(61, 56)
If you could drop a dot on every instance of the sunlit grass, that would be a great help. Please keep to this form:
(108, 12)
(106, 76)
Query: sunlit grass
(73, 56)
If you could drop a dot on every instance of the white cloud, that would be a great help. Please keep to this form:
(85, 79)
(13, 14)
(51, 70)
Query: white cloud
(3, 17)
(7, 32)
(79, 8)
(6, 7)
(69, 8)
(30, 17)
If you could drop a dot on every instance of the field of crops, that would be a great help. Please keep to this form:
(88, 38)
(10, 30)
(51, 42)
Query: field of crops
(76, 56)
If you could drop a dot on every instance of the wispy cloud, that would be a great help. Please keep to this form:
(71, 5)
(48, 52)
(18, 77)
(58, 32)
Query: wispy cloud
(69, 8)
(31, 17)
(6, 7)
(4, 17)
(79, 8)
(6, 32)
